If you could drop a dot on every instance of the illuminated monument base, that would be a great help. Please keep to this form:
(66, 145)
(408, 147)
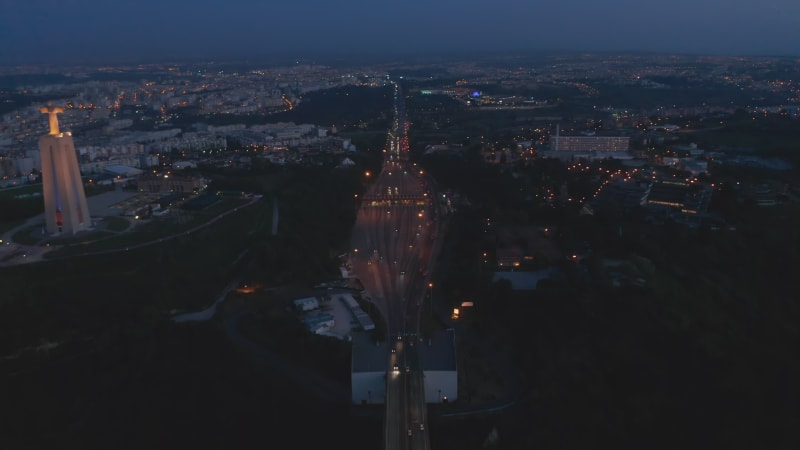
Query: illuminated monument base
(65, 205)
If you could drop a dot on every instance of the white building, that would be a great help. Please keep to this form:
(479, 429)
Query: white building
(363, 319)
(319, 323)
(179, 165)
(306, 304)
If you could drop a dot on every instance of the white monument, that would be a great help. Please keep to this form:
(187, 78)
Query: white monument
(65, 207)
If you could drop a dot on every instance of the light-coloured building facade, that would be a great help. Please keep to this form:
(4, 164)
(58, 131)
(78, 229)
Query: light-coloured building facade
(176, 184)
(590, 143)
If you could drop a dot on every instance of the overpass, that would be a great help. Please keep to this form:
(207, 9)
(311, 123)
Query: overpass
(371, 201)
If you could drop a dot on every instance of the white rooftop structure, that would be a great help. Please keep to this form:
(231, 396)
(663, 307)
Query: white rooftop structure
(125, 171)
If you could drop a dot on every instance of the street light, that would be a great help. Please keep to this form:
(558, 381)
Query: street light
(430, 299)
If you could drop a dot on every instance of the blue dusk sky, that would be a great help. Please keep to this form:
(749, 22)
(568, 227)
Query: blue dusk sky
(111, 31)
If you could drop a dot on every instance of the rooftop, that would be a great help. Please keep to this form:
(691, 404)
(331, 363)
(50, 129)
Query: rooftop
(369, 355)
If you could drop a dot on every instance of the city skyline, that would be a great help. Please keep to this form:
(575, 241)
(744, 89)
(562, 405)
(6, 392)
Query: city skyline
(524, 250)
(44, 31)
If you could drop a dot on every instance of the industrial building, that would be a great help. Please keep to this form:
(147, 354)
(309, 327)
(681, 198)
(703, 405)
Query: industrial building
(319, 323)
(306, 304)
(363, 319)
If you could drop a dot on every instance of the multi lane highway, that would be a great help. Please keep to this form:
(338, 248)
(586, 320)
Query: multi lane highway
(391, 254)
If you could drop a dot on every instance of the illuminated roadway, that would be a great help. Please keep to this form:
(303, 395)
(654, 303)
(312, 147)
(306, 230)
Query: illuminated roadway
(391, 253)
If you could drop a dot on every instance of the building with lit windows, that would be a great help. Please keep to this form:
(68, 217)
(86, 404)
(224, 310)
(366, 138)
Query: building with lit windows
(590, 143)
(176, 184)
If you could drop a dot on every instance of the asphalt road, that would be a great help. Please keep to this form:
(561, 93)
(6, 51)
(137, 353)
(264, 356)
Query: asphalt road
(391, 252)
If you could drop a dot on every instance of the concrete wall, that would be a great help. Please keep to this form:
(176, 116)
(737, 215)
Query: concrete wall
(440, 385)
(369, 387)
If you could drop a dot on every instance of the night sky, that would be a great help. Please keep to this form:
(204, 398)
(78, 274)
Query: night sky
(109, 31)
